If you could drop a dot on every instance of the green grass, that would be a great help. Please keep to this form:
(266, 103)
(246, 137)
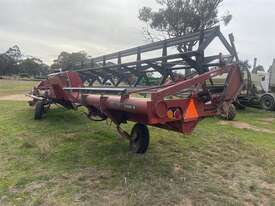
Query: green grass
(65, 159)
(9, 87)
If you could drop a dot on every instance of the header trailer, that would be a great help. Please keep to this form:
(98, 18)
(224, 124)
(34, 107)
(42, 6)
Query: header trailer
(177, 102)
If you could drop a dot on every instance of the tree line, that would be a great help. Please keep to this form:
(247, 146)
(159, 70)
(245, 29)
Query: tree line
(13, 62)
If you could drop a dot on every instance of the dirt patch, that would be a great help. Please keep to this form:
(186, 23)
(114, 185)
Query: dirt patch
(15, 97)
(244, 125)
(268, 120)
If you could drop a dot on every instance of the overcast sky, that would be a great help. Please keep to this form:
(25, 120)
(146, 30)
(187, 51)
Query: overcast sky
(44, 28)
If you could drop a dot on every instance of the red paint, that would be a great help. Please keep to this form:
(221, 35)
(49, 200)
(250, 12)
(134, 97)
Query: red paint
(120, 109)
(154, 111)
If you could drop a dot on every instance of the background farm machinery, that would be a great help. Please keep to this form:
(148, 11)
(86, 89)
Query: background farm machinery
(177, 102)
(259, 87)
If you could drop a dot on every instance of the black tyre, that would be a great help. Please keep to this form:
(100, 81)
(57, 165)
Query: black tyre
(229, 113)
(268, 102)
(139, 139)
(39, 110)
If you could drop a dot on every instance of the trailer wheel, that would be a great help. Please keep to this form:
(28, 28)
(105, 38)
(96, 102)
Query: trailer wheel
(139, 139)
(39, 110)
(267, 102)
(229, 113)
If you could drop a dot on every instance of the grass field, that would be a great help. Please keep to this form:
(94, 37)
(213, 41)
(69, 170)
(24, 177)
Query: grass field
(10, 87)
(67, 160)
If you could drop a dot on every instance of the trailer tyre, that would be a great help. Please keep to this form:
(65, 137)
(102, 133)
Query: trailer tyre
(39, 110)
(139, 139)
(231, 112)
(267, 102)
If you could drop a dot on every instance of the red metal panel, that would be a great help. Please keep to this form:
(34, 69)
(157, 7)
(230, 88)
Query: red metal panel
(59, 81)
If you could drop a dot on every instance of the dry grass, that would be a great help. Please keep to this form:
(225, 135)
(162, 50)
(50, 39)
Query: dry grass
(67, 160)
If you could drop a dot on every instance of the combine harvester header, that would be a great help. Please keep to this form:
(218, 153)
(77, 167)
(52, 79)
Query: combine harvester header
(177, 102)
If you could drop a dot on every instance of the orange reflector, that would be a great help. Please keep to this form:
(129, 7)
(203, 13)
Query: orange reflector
(170, 114)
(191, 112)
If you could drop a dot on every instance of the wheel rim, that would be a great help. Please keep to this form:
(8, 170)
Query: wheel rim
(139, 139)
(267, 103)
(135, 144)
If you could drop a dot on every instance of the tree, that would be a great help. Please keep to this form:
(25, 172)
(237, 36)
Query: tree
(14, 62)
(8, 65)
(33, 67)
(176, 18)
(9, 59)
(67, 61)
(14, 52)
